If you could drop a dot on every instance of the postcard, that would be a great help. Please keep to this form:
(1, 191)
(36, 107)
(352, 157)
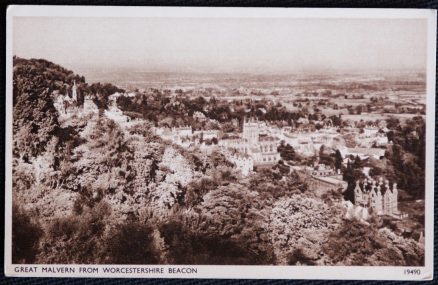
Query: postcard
(261, 143)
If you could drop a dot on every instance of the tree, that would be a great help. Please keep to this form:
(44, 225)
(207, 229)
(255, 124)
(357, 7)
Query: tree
(321, 151)
(26, 235)
(350, 238)
(287, 152)
(104, 162)
(357, 162)
(392, 123)
(296, 224)
(130, 243)
(35, 120)
(186, 247)
(197, 189)
(338, 160)
(77, 238)
(349, 177)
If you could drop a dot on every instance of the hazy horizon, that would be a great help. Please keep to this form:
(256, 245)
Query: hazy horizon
(221, 46)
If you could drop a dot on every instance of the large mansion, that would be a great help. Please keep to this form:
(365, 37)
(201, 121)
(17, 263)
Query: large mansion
(378, 196)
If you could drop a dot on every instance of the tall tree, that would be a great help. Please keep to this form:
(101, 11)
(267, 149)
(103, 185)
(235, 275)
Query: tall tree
(338, 159)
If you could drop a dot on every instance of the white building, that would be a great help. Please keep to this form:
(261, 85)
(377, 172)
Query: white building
(378, 196)
(115, 114)
(207, 134)
(243, 162)
(362, 152)
(261, 148)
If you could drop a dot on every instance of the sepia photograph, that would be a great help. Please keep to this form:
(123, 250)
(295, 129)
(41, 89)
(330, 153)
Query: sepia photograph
(170, 140)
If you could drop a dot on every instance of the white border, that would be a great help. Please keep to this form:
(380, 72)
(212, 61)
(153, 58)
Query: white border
(251, 272)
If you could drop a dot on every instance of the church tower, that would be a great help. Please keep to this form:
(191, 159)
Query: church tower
(251, 131)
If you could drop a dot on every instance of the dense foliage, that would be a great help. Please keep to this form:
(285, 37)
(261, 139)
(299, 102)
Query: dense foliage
(178, 111)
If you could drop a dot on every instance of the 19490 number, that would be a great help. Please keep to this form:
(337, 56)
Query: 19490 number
(412, 271)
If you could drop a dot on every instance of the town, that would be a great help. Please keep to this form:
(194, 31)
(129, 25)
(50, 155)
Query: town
(254, 143)
(290, 170)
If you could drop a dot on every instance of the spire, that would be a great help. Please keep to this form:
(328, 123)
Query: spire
(74, 92)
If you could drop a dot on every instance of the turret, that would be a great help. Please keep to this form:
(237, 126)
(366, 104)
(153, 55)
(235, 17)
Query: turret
(380, 181)
(378, 190)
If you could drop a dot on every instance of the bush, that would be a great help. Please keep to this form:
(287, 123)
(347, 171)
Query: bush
(26, 235)
(131, 243)
(351, 241)
(76, 238)
(185, 247)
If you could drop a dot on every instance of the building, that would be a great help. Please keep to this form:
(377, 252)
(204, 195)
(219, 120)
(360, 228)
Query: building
(309, 143)
(207, 134)
(369, 132)
(235, 143)
(243, 162)
(251, 131)
(261, 148)
(362, 152)
(378, 196)
(322, 179)
(74, 94)
(65, 104)
(265, 152)
(115, 114)
(179, 135)
(89, 107)
(113, 98)
(372, 136)
(321, 169)
(185, 131)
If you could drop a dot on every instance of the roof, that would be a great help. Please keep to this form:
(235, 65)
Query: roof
(234, 140)
(266, 138)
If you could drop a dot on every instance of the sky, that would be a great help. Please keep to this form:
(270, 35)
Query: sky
(221, 45)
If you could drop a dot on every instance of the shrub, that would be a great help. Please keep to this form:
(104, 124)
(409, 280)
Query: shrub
(185, 247)
(26, 235)
(131, 243)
